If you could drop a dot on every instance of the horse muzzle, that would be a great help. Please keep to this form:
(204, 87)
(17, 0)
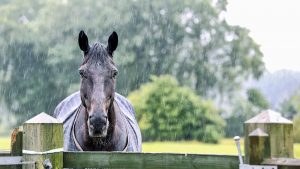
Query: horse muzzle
(98, 126)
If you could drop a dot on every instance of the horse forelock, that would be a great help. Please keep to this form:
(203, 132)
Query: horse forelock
(98, 55)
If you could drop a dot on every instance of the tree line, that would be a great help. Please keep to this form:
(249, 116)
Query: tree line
(188, 40)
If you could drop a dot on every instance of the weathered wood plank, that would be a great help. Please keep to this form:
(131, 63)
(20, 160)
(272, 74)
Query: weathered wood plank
(259, 146)
(282, 162)
(17, 160)
(148, 160)
(10, 166)
(14, 163)
(4, 153)
(17, 166)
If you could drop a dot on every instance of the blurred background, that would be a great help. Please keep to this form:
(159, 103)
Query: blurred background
(194, 70)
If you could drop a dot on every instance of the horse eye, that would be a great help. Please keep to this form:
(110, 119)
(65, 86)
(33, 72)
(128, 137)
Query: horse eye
(115, 74)
(81, 72)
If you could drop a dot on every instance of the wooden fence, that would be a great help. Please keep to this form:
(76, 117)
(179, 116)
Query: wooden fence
(38, 144)
(148, 160)
(132, 160)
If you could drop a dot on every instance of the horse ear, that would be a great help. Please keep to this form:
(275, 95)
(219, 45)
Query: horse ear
(112, 42)
(83, 41)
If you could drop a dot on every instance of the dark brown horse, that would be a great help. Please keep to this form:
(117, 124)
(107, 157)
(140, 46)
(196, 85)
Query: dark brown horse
(97, 118)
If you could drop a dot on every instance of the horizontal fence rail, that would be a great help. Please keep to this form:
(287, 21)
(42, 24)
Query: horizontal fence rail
(15, 162)
(5, 153)
(148, 160)
(291, 162)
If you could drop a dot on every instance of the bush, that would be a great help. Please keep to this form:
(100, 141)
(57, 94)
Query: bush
(166, 111)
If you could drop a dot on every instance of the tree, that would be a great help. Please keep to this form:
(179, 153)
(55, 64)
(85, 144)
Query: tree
(29, 81)
(187, 39)
(257, 99)
(239, 113)
(166, 111)
(243, 110)
(290, 107)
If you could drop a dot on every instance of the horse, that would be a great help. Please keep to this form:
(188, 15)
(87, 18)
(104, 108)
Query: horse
(96, 118)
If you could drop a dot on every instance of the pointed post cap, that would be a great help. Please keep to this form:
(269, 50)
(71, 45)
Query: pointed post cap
(42, 118)
(258, 133)
(236, 138)
(269, 116)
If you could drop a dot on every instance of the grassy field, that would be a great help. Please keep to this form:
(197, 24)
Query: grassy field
(4, 143)
(226, 146)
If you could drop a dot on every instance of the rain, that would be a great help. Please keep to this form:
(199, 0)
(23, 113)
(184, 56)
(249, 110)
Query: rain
(191, 74)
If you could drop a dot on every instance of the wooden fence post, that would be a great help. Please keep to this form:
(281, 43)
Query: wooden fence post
(280, 135)
(43, 139)
(16, 142)
(259, 146)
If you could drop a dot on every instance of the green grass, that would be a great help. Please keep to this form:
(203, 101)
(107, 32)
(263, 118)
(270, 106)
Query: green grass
(4, 143)
(226, 146)
(297, 150)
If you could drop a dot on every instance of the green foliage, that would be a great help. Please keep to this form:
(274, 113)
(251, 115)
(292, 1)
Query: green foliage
(244, 109)
(257, 99)
(166, 111)
(29, 81)
(187, 39)
(291, 106)
(6, 123)
(241, 111)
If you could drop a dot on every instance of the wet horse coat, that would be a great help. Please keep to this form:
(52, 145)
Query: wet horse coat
(67, 111)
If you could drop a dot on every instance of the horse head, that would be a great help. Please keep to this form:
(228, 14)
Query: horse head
(97, 86)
